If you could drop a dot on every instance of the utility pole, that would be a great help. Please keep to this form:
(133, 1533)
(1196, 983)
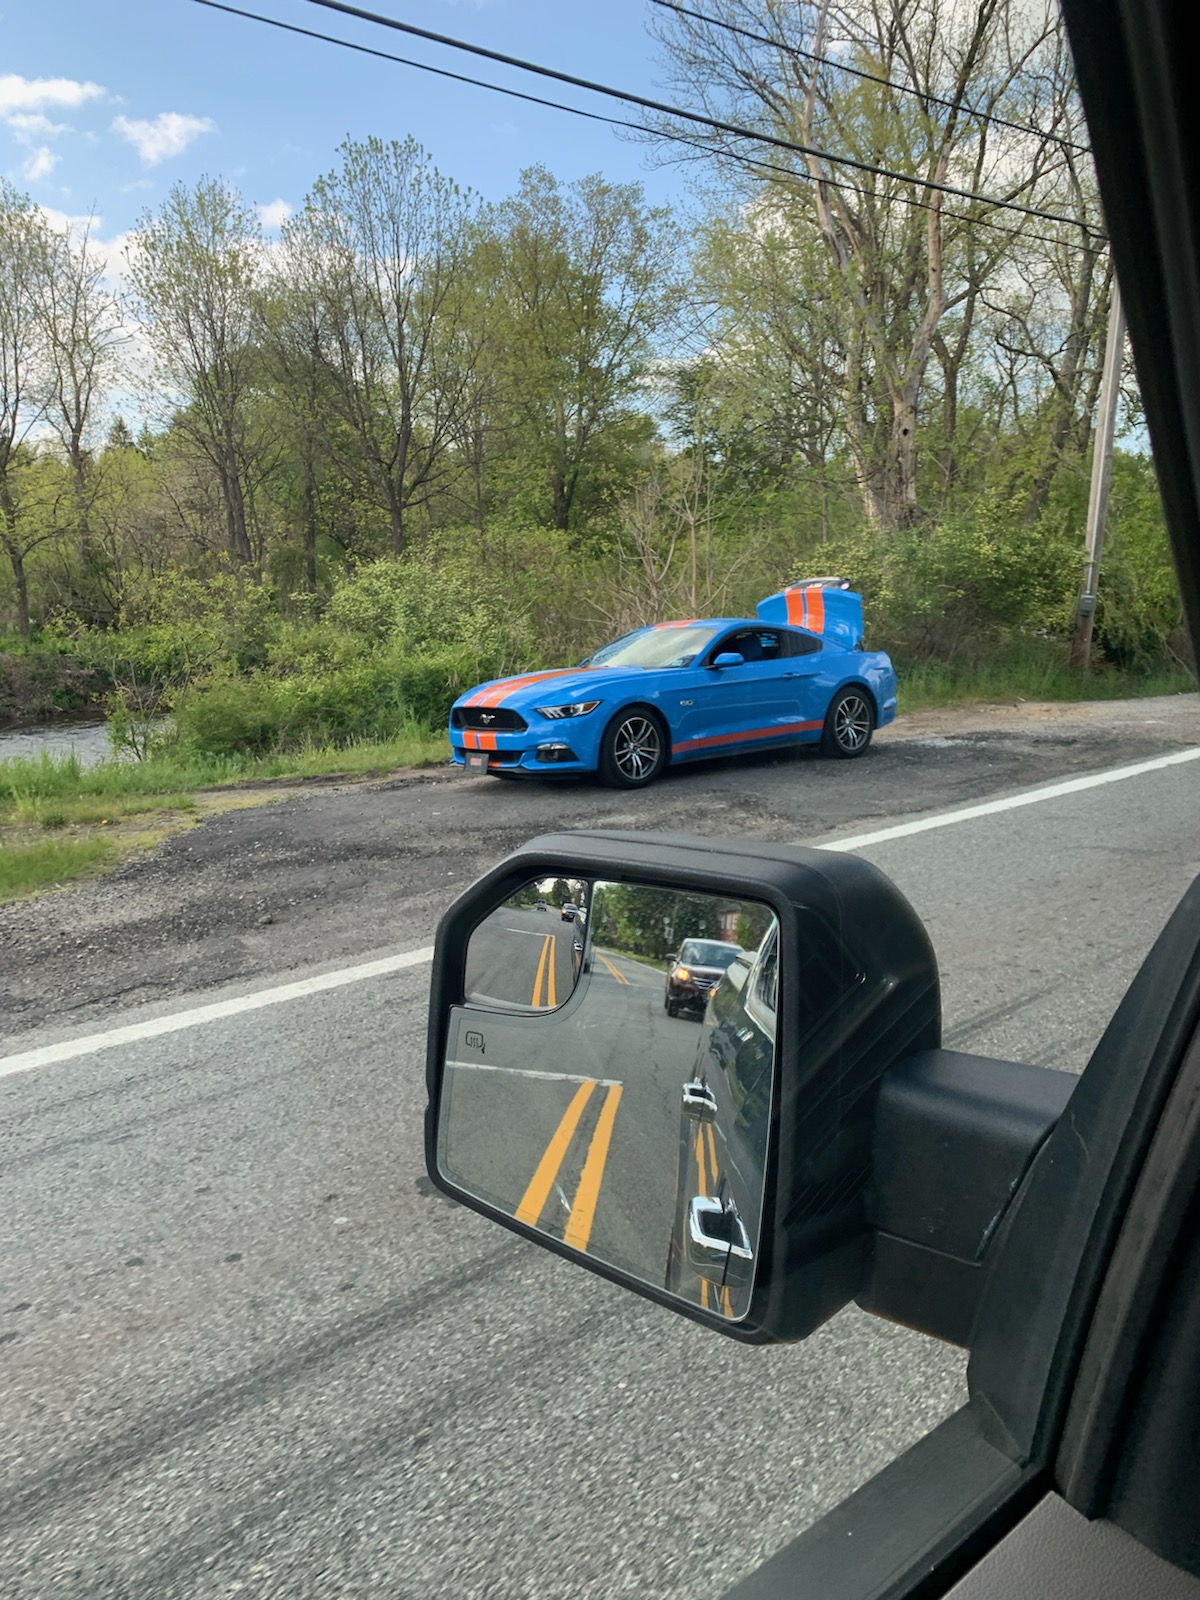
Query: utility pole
(1102, 451)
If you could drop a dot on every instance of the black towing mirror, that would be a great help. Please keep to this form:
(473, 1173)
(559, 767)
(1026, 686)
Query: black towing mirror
(759, 1134)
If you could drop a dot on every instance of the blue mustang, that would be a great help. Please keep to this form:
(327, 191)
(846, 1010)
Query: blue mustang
(680, 691)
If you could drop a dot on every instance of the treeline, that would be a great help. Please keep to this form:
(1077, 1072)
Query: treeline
(422, 434)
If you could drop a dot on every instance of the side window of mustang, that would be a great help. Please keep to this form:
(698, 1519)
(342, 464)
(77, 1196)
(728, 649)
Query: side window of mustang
(800, 644)
(754, 644)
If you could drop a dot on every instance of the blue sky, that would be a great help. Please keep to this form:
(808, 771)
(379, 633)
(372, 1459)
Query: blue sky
(104, 107)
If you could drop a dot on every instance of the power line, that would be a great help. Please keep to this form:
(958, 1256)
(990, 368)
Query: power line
(715, 123)
(869, 77)
(756, 163)
(421, 66)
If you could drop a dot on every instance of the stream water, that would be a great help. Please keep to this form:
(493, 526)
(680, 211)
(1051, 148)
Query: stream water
(89, 741)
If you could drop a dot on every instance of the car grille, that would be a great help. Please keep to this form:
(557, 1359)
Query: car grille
(492, 719)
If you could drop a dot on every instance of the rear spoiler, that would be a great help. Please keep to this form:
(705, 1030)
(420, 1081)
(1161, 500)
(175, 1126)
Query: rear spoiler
(827, 606)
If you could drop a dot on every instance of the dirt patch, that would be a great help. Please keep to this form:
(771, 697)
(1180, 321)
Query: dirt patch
(1172, 716)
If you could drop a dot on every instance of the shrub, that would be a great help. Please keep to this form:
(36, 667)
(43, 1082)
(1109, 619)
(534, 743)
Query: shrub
(374, 698)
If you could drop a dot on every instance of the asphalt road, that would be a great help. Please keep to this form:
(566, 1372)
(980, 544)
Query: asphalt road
(247, 1350)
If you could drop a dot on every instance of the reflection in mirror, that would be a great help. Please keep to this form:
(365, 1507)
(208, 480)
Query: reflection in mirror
(528, 953)
(609, 1078)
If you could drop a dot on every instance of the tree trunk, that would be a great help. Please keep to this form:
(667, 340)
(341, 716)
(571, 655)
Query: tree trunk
(237, 538)
(309, 519)
(16, 559)
(900, 486)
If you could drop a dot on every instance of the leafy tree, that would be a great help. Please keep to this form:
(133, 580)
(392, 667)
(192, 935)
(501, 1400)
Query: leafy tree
(587, 277)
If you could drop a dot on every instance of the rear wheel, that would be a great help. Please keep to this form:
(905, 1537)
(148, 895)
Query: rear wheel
(634, 749)
(849, 724)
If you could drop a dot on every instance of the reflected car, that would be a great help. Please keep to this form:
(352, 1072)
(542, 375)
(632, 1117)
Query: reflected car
(569, 911)
(797, 673)
(694, 972)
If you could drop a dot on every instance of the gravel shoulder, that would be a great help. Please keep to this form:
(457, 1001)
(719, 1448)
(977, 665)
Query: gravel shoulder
(335, 872)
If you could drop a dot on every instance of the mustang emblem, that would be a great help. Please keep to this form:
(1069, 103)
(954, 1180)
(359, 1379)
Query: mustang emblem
(487, 716)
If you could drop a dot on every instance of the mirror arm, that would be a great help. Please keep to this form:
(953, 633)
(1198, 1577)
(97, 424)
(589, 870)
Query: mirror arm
(954, 1136)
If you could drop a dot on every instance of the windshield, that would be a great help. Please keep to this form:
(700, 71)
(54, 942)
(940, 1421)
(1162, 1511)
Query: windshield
(708, 953)
(655, 647)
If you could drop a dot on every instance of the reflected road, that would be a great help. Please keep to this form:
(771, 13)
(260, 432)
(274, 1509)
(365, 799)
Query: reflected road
(571, 1123)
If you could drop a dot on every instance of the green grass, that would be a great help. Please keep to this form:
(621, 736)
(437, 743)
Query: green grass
(52, 793)
(1033, 674)
(26, 782)
(24, 867)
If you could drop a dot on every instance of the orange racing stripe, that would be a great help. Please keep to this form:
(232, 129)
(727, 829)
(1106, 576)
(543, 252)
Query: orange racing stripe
(716, 739)
(500, 691)
(806, 608)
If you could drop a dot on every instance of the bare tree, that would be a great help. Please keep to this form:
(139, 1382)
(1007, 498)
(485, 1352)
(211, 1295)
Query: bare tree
(898, 261)
(24, 255)
(195, 269)
(379, 249)
(84, 332)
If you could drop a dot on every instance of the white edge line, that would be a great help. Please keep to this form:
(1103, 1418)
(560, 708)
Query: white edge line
(70, 1049)
(1014, 802)
(533, 1072)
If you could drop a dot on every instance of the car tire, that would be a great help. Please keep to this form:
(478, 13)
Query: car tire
(849, 724)
(672, 1008)
(634, 749)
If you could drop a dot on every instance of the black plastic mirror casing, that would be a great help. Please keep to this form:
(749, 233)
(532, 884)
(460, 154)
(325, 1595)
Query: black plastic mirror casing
(883, 1003)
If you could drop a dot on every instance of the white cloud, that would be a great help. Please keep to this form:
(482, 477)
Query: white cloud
(167, 135)
(27, 126)
(275, 214)
(34, 94)
(40, 164)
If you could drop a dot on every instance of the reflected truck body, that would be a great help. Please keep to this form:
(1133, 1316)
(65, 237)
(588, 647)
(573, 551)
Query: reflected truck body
(725, 1109)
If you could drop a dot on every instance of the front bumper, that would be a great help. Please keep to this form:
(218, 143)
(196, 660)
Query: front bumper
(692, 996)
(539, 752)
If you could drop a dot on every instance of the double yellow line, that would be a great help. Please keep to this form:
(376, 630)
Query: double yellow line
(545, 973)
(721, 1300)
(583, 1208)
(619, 976)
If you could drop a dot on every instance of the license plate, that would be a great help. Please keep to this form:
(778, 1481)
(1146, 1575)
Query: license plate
(477, 760)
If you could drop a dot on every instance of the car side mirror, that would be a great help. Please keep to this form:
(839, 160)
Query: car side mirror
(709, 1144)
(728, 658)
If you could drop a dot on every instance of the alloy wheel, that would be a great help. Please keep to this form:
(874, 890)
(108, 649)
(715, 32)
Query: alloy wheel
(637, 749)
(852, 722)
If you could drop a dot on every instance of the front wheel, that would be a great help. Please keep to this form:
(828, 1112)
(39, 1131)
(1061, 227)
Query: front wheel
(849, 724)
(633, 751)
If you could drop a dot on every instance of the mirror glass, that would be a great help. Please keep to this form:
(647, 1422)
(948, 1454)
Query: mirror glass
(609, 1078)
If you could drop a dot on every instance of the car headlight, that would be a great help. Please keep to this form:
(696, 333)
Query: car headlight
(577, 708)
(683, 973)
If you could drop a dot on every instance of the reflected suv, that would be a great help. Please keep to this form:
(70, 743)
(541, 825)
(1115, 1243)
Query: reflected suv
(694, 971)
